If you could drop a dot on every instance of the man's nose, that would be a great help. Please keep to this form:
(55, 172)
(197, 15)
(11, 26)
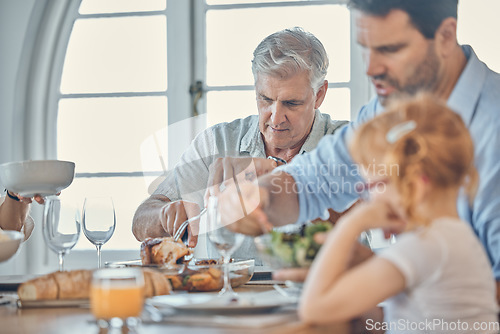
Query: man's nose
(374, 64)
(278, 114)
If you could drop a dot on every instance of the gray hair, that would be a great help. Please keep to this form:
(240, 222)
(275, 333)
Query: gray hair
(288, 52)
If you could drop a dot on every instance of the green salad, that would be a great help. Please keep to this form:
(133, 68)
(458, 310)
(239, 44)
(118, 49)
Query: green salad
(296, 249)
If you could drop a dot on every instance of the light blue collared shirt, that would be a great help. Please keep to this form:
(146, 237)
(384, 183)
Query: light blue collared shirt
(326, 177)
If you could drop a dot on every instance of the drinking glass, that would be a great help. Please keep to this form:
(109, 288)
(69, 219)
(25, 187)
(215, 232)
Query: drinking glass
(373, 238)
(117, 297)
(224, 240)
(60, 226)
(99, 221)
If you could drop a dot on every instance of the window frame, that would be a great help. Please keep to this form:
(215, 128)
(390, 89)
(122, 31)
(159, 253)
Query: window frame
(359, 85)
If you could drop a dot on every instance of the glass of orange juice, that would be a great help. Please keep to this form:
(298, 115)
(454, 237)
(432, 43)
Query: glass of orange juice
(117, 296)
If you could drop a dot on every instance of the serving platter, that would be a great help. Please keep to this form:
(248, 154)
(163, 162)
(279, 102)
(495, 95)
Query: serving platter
(198, 277)
(83, 303)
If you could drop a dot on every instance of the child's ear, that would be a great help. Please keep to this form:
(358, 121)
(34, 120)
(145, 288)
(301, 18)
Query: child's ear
(421, 188)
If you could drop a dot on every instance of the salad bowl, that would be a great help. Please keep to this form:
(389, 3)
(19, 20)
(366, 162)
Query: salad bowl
(292, 246)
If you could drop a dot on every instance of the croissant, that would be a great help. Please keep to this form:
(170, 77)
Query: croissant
(75, 284)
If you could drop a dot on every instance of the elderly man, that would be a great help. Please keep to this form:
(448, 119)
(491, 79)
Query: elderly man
(408, 46)
(289, 69)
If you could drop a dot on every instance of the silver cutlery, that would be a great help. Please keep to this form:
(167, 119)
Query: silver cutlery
(184, 225)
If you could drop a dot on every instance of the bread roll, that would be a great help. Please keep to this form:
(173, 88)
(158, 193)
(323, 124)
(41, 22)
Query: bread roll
(159, 284)
(73, 284)
(44, 287)
(76, 285)
(148, 284)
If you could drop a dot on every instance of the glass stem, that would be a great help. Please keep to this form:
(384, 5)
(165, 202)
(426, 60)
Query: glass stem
(227, 284)
(98, 256)
(61, 260)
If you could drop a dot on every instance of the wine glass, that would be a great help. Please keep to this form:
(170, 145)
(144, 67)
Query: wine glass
(99, 221)
(224, 240)
(61, 226)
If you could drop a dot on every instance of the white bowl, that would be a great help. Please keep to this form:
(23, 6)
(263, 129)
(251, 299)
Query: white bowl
(9, 247)
(43, 177)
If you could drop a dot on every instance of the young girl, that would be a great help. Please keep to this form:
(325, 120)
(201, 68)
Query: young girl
(416, 158)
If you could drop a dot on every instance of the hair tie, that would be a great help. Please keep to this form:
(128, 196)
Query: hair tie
(399, 130)
(15, 198)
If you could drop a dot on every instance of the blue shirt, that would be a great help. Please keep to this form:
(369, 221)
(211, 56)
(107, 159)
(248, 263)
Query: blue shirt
(327, 177)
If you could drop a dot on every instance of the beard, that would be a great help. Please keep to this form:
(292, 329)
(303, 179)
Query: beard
(424, 77)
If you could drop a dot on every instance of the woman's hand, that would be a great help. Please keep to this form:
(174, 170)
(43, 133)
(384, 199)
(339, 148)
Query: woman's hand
(28, 200)
(38, 198)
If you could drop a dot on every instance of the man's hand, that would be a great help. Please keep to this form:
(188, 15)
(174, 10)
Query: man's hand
(173, 214)
(244, 170)
(254, 200)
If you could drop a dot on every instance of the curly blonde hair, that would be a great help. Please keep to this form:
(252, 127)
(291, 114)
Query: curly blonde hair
(438, 146)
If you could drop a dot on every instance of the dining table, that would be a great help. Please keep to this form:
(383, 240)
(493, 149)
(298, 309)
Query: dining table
(77, 319)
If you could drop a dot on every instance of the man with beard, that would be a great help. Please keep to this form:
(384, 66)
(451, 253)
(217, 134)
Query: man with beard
(408, 46)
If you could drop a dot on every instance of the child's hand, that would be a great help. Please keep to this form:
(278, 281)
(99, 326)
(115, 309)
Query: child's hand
(378, 214)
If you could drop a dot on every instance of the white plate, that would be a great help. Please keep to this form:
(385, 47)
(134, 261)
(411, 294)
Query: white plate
(249, 302)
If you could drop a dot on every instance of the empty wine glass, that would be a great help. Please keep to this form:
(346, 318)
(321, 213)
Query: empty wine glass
(60, 226)
(224, 240)
(99, 221)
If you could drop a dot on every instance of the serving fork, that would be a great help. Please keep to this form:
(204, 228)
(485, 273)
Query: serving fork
(184, 225)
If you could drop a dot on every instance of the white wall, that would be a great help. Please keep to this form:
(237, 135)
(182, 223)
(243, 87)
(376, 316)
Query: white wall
(15, 16)
(14, 19)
